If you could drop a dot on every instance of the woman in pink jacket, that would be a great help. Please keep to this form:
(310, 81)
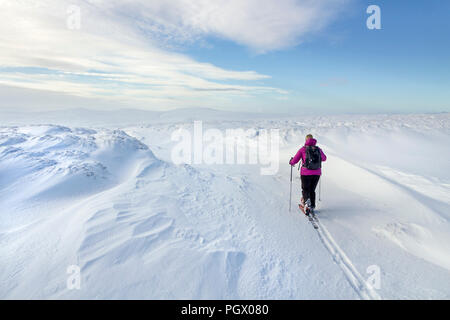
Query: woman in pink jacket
(312, 157)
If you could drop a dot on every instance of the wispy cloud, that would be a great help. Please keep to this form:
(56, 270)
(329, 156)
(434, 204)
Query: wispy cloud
(117, 52)
(262, 25)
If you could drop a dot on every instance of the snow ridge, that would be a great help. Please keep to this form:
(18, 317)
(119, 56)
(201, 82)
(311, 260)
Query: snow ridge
(111, 201)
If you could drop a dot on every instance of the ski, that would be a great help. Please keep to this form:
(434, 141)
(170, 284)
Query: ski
(313, 222)
(314, 216)
(310, 216)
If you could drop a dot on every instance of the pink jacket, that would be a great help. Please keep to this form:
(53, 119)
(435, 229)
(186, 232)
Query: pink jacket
(301, 155)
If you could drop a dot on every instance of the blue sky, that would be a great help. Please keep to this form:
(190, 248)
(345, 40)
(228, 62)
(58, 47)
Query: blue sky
(404, 67)
(282, 56)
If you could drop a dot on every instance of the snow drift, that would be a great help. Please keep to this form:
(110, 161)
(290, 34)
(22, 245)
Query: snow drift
(111, 202)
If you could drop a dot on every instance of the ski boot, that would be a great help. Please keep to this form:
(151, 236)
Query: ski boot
(308, 207)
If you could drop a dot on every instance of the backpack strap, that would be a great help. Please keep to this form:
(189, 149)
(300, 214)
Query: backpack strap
(303, 162)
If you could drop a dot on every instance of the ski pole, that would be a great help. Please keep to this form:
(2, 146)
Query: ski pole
(320, 188)
(290, 192)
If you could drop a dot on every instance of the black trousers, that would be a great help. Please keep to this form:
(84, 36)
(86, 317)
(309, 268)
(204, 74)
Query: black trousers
(309, 184)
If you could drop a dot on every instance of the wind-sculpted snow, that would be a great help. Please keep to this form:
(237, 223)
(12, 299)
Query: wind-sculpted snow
(50, 163)
(112, 202)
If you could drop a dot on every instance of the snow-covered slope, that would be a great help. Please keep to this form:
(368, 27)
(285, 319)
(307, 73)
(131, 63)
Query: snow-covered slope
(113, 203)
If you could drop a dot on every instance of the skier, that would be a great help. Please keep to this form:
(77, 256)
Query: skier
(312, 157)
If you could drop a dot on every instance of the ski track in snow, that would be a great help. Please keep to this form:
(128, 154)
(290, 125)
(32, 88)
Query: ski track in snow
(360, 285)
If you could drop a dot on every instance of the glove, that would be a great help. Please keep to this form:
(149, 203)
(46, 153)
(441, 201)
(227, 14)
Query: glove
(291, 161)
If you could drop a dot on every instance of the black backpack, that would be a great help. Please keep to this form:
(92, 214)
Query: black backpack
(313, 158)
